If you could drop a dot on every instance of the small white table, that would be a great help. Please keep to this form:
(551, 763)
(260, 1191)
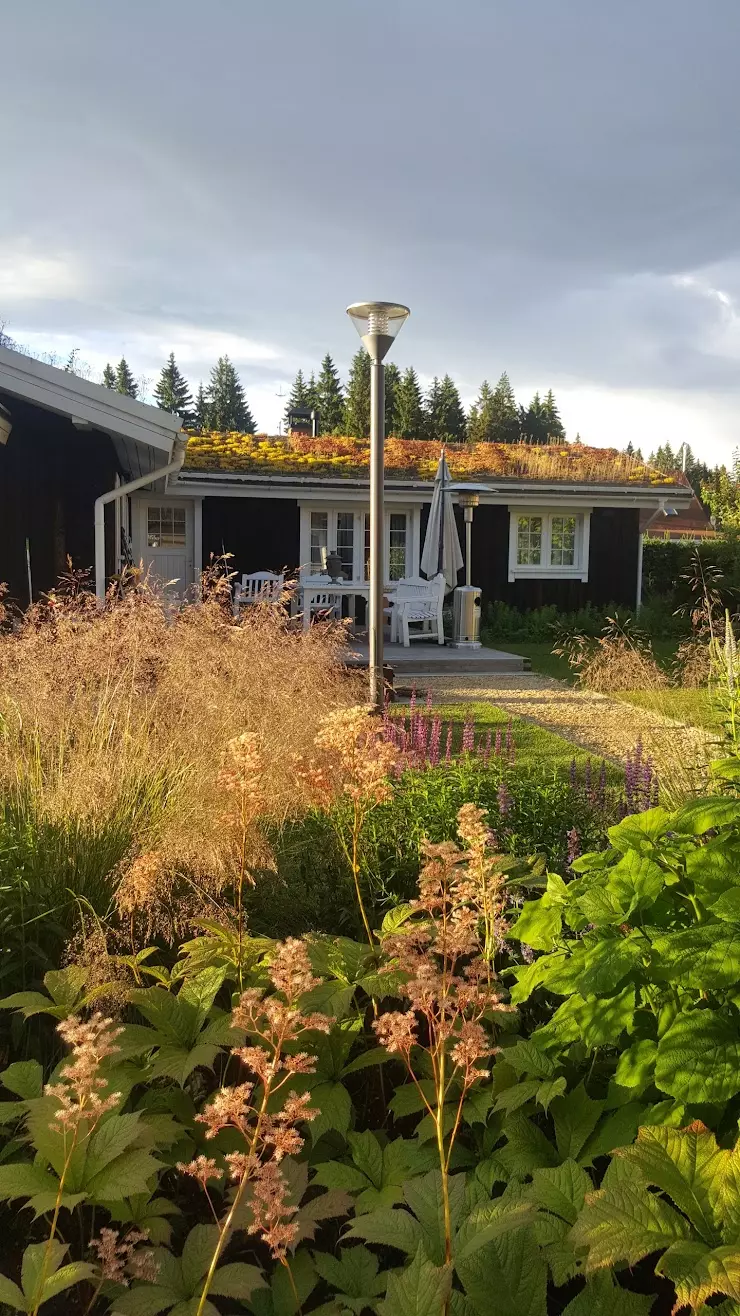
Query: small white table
(308, 592)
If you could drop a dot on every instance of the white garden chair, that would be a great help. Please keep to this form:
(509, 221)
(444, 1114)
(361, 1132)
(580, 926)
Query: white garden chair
(317, 599)
(418, 601)
(259, 587)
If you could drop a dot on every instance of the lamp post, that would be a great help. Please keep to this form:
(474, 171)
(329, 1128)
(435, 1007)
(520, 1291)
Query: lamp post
(377, 323)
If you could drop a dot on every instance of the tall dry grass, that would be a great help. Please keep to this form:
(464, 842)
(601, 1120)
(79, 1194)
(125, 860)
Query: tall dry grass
(115, 732)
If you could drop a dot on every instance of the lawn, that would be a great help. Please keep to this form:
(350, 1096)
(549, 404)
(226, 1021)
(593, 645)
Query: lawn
(547, 663)
(693, 707)
(536, 748)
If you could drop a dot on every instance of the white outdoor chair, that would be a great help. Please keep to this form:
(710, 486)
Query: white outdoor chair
(418, 601)
(259, 587)
(317, 598)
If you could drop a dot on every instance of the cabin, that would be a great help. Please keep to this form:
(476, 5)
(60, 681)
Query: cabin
(92, 475)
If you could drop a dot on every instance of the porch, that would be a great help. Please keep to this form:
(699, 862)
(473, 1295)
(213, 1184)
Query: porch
(435, 659)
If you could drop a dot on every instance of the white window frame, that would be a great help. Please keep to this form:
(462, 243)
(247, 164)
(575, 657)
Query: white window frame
(544, 570)
(413, 526)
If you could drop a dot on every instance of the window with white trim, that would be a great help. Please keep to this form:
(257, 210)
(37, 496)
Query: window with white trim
(548, 543)
(328, 529)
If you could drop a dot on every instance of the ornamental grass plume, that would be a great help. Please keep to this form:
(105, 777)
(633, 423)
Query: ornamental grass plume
(273, 1024)
(353, 762)
(115, 726)
(449, 983)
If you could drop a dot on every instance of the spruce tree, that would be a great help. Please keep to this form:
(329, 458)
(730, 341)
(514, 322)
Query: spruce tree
(504, 413)
(409, 417)
(297, 397)
(173, 392)
(357, 401)
(452, 426)
(555, 427)
(533, 422)
(227, 406)
(392, 381)
(109, 377)
(312, 393)
(431, 411)
(480, 420)
(329, 397)
(125, 382)
(202, 412)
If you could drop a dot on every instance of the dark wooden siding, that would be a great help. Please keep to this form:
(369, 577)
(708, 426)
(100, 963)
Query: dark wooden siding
(612, 571)
(262, 533)
(50, 476)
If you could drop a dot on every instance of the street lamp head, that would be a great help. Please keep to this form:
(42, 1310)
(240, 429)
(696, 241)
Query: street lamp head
(377, 323)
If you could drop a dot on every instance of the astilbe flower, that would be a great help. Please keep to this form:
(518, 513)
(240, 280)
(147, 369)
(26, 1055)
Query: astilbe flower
(80, 1084)
(121, 1259)
(274, 1023)
(448, 979)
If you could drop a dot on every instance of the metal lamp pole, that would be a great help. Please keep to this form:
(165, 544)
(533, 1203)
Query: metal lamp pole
(377, 324)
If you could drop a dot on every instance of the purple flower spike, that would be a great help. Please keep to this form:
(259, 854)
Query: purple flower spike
(448, 744)
(434, 739)
(468, 736)
(487, 751)
(497, 748)
(574, 845)
(504, 799)
(573, 772)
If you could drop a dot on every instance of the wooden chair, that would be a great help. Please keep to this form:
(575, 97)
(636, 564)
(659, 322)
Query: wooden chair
(418, 601)
(318, 599)
(259, 587)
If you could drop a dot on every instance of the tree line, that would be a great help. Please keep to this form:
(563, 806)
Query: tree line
(410, 413)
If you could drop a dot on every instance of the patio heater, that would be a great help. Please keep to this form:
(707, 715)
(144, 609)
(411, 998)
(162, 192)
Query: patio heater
(466, 600)
(377, 323)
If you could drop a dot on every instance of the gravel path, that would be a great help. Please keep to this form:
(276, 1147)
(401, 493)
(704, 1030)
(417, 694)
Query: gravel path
(605, 726)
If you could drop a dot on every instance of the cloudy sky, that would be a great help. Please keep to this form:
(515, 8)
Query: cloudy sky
(553, 186)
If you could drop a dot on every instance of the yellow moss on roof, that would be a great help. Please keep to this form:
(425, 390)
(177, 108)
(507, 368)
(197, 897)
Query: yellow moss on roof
(332, 456)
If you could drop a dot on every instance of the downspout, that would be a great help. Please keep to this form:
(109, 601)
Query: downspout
(660, 508)
(122, 491)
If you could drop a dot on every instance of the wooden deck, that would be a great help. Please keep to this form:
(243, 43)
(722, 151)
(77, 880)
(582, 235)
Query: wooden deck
(427, 659)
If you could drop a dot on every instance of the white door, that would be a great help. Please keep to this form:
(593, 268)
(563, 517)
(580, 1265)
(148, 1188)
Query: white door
(165, 540)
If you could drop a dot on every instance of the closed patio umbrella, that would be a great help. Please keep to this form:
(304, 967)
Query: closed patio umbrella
(441, 543)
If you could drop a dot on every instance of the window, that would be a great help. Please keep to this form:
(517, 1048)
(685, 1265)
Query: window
(529, 541)
(319, 540)
(548, 544)
(347, 532)
(563, 541)
(395, 546)
(165, 527)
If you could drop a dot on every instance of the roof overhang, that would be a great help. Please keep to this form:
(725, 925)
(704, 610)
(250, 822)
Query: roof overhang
(243, 484)
(141, 434)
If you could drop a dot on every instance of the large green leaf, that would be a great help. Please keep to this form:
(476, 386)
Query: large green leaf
(636, 1066)
(700, 1272)
(706, 956)
(512, 1268)
(575, 1116)
(699, 1058)
(704, 815)
(603, 1019)
(527, 1148)
(11, 1295)
(602, 1296)
(491, 1221)
(607, 963)
(561, 1190)
(420, 1290)
(635, 882)
(25, 1078)
(625, 1224)
(688, 1166)
(390, 1227)
(539, 924)
(612, 1131)
(423, 1195)
(639, 830)
(335, 1109)
(354, 1274)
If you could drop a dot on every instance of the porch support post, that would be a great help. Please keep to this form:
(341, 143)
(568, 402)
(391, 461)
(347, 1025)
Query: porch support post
(121, 491)
(377, 525)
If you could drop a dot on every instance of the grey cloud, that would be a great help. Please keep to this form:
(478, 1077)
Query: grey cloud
(528, 176)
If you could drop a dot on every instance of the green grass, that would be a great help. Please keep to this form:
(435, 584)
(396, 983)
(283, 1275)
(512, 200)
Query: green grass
(694, 707)
(547, 663)
(536, 748)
